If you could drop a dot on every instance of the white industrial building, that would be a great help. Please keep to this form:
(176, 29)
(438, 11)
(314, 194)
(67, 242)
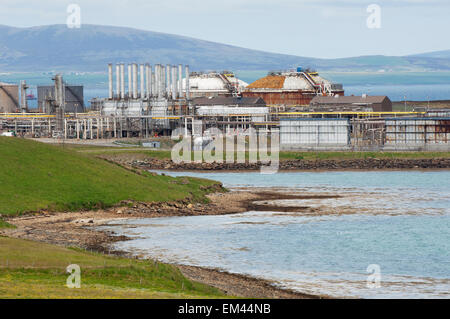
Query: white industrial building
(312, 133)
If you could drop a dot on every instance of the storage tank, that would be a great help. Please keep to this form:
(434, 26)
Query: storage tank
(9, 98)
(291, 88)
(214, 84)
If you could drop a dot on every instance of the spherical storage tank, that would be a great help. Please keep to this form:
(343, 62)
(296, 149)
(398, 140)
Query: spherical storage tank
(214, 84)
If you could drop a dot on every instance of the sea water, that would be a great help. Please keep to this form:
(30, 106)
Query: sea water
(398, 221)
(420, 86)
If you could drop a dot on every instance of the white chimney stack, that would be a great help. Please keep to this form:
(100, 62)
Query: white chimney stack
(110, 82)
(174, 82)
(122, 81)
(117, 80)
(180, 79)
(135, 81)
(130, 86)
(187, 83)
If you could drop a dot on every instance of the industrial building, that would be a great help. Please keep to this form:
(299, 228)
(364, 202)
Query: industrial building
(73, 95)
(230, 101)
(411, 133)
(374, 134)
(152, 101)
(351, 103)
(9, 98)
(230, 115)
(293, 88)
(158, 100)
(313, 133)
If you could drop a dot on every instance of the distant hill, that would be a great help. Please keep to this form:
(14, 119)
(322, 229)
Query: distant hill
(90, 48)
(437, 54)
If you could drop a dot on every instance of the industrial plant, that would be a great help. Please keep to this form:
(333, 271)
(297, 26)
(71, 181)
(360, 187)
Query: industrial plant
(308, 111)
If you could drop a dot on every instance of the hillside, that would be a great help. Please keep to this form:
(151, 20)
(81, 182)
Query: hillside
(445, 54)
(36, 176)
(90, 48)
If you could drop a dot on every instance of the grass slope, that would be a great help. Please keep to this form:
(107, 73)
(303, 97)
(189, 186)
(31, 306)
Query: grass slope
(37, 270)
(36, 176)
(284, 155)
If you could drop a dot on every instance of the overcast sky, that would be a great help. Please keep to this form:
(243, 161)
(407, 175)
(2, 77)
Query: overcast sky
(314, 28)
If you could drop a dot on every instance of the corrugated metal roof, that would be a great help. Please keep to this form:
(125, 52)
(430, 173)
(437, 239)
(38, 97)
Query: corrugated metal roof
(224, 100)
(348, 99)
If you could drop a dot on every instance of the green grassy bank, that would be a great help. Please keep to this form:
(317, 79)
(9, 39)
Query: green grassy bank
(36, 176)
(37, 270)
(283, 155)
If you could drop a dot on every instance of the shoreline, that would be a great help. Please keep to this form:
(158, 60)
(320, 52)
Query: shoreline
(80, 229)
(145, 162)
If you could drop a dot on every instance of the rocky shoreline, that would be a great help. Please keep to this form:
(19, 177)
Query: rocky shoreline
(344, 164)
(81, 229)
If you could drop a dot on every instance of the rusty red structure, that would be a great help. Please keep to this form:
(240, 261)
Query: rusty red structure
(292, 88)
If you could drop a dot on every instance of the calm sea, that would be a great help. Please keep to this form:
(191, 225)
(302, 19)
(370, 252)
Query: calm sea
(395, 221)
(419, 86)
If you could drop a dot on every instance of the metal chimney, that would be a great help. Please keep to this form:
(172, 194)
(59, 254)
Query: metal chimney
(130, 86)
(180, 78)
(153, 74)
(110, 82)
(147, 81)
(157, 68)
(59, 91)
(160, 81)
(187, 85)
(168, 86)
(142, 79)
(135, 81)
(164, 83)
(122, 81)
(117, 80)
(23, 96)
(174, 82)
